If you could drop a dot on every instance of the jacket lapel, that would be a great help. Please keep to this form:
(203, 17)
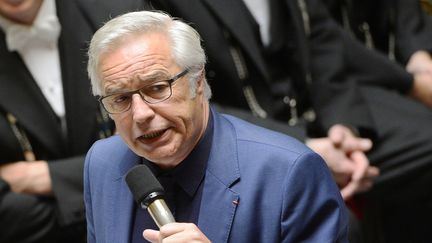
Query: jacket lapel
(121, 221)
(219, 202)
(239, 22)
(123, 202)
(80, 105)
(20, 94)
(218, 206)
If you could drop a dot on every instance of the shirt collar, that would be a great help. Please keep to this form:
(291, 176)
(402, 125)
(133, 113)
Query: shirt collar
(191, 171)
(46, 27)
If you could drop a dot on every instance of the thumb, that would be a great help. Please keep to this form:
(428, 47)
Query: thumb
(151, 235)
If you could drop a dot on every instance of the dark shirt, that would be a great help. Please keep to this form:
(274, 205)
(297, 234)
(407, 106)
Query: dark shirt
(183, 187)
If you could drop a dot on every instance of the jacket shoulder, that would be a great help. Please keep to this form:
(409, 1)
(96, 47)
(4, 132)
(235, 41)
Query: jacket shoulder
(105, 151)
(249, 132)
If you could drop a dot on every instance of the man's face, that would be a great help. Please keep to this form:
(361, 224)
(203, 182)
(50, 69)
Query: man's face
(164, 133)
(21, 11)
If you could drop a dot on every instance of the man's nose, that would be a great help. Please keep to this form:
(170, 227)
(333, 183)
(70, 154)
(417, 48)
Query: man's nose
(141, 110)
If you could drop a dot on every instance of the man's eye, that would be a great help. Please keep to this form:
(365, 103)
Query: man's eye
(121, 99)
(157, 88)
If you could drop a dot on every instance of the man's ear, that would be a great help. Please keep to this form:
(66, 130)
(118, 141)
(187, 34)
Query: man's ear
(200, 82)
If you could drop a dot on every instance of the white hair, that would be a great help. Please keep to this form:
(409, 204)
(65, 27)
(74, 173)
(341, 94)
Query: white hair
(186, 47)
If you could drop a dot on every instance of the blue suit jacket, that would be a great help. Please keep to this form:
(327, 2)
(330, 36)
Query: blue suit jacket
(259, 186)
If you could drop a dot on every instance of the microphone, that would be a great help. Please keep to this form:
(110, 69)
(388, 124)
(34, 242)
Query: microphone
(149, 194)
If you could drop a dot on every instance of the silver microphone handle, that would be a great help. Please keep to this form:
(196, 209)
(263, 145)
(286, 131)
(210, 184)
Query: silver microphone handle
(160, 212)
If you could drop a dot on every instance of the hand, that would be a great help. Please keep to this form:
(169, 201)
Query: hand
(30, 177)
(344, 154)
(422, 88)
(362, 176)
(351, 171)
(176, 232)
(354, 148)
(420, 62)
(343, 137)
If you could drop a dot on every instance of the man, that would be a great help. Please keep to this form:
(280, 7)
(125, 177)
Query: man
(48, 119)
(398, 30)
(398, 35)
(233, 181)
(282, 59)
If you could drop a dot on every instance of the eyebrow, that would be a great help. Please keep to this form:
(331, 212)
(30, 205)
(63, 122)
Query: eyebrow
(138, 77)
(152, 76)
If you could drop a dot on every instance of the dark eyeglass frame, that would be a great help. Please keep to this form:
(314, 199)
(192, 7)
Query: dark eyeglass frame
(138, 91)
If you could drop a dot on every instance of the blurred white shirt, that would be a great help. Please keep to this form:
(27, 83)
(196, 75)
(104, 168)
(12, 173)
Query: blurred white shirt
(37, 45)
(260, 9)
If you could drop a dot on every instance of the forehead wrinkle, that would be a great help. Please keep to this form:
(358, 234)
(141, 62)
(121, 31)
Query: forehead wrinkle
(140, 74)
(116, 86)
(156, 74)
(122, 71)
(137, 78)
(150, 64)
(143, 63)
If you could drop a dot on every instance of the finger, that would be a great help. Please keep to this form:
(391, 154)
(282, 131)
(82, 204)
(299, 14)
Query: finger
(353, 143)
(361, 163)
(372, 172)
(341, 179)
(364, 185)
(350, 187)
(151, 235)
(367, 182)
(424, 70)
(343, 137)
(172, 228)
(365, 144)
(336, 134)
(342, 171)
(182, 232)
(356, 186)
(349, 190)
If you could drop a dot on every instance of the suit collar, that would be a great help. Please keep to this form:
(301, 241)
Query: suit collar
(20, 94)
(218, 207)
(80, 104)
(218, 200)
(223, 163)
(244, 28)
(121, 227)
(129, 160)
(123, 202)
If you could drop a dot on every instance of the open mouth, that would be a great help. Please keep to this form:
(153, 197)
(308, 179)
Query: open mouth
(152, 135)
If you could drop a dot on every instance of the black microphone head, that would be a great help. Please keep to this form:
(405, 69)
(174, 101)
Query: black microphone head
(143, 185)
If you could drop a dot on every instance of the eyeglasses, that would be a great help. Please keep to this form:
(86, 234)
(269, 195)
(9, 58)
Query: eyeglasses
(152, 93)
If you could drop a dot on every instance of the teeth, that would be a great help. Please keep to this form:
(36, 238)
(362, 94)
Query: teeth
(152, 135)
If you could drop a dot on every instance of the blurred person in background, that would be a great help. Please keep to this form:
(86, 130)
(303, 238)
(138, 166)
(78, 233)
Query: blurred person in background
(290, 61)
(390, 44)
(48, 118)
(398, 30)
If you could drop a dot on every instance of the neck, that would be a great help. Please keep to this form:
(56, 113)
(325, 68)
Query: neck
(28, 14)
